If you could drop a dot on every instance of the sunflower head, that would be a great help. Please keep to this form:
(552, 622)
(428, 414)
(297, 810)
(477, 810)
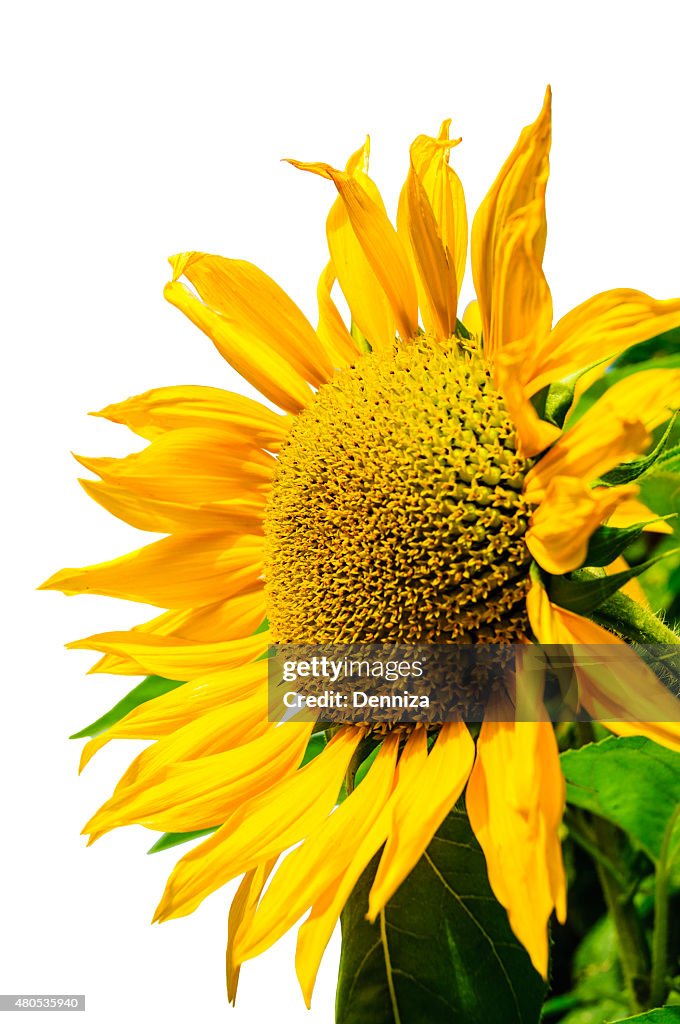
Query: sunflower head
(396, 510)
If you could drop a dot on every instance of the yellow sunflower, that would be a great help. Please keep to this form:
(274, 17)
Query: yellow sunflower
(415, 487)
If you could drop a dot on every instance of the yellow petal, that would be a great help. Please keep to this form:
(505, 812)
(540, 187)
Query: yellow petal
(316, 931)
(504, 219)
(433, 266)
(265, 368)
(369, 306)
(379, 243)
(614, 428)
(176, 408)
(534, 435)
(145, 513)
(515, 800)
(240, 914)
(177, 572)
(432, 222)
(306, 872)
(597, 330)
(430, 158)
(420, 808)
(627, 698)
(267, 825)
(191, 467)
(632, 512)
(565, 520)
(172, 657)
(204, 793)
(472, 319)
(331, 327)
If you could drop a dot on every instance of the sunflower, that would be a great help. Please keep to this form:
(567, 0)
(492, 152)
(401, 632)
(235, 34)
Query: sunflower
(427, 478)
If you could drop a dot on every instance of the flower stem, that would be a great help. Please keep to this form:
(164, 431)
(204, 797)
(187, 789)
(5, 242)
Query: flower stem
(659, 981)
(632, 942)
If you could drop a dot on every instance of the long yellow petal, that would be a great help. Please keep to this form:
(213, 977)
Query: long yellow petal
(534, 434)
(306, 872)
(191, 406)
(597, 330)
(331, 327)
(237, 516)
(316, 931)
(241, 913)
(430, 158)
(632, 512)
(420, 808)
(433, 266)
(564, 522)
(623, 692)
(266, 369)
(207, 792)
(172, 657)
(369, 306)
(379, 242)
(614, 428)
(515, 800)
(177, 572)
(262, 829)
(513, 215)
(190, 467)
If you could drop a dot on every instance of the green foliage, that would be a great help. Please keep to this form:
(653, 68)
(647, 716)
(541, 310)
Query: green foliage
(441, 951)
(632, 782)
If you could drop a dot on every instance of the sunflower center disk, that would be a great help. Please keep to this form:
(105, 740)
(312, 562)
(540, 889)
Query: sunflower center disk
(396, 512)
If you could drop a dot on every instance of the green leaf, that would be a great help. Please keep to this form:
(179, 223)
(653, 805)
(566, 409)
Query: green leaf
(629, 471)
(462, 331)
(442, 950)
(608, 542)
(631, 781)
(152, 686)
(170, 839)
(664, 1015)
(582, 592)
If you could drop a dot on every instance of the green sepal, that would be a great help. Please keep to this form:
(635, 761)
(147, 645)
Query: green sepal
(608, 542)
(627, 472)
(170, 839)
(553, 402)
(582, 592)
(152, 686)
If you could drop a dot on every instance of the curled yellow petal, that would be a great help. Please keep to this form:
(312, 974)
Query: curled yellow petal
(379, 242)
(239, 418)
(597, 330)
(510, 224)
(568, 515)
(614, 428)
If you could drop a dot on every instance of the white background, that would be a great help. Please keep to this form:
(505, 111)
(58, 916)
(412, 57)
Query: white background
(135, 130)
